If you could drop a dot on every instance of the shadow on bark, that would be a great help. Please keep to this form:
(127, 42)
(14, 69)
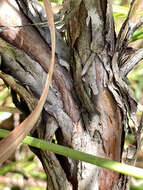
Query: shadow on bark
(86, 102)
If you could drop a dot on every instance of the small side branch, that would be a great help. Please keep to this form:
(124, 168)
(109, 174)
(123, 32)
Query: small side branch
(131, 63)
(130, 32)
(9, 109)
(121, 32)
(132, 150)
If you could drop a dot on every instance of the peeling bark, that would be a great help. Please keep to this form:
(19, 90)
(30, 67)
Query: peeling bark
(86, 106)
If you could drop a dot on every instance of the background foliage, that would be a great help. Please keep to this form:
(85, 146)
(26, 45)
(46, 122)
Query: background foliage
(23, 170)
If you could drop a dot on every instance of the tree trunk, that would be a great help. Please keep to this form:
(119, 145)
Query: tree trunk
(87, 104)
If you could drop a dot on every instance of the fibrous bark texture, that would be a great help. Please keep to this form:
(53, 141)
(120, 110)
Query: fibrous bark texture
(88, 101)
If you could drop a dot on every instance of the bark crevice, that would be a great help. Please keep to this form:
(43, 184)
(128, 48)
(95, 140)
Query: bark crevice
(86, 105)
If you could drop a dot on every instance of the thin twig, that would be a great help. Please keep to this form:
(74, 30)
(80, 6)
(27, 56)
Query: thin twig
(123, 27)
(133, 149)
(9, 109)
(131, 63)
(43, 24)
(130, 32)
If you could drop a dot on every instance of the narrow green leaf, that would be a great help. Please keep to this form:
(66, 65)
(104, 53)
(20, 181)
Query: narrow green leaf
(77, 155)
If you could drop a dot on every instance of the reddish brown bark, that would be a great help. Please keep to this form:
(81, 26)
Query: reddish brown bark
(85, 106)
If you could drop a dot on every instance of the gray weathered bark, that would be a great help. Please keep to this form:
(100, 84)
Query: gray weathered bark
(88, 100)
